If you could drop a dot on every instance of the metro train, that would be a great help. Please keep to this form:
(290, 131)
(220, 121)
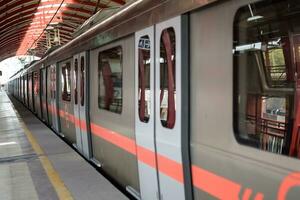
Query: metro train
(194, 99)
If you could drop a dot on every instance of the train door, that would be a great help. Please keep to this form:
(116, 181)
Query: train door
(66, 101)
(159, 110)
(80, 103)
(53, 101)
(144, 112)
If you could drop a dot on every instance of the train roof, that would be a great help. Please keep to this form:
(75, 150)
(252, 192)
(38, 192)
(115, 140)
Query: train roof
(137, 15)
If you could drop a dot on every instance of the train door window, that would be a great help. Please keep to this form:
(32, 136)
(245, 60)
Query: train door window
(167, 78)
(82, 71)
(76, 81)
(267, 76)
(144, 78)
(30, 85)
(24, 87)
(110, 80)
(52, 83)
(36, 83)
(18, 87)
(42, 82)
(66, 81)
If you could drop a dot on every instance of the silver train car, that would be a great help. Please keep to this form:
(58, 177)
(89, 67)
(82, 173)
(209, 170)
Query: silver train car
(194, 99)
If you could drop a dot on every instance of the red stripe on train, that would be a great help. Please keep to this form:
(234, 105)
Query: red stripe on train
(247, 194)
(204, 180)
(114, 138)
(146, 156)
(166, 166)
(170, 168)
(215, 185)
(291, 181)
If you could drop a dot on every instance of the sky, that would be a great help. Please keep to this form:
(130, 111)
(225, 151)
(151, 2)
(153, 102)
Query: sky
(11, 66)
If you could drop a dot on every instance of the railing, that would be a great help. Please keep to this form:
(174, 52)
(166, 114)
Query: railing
(277, 75)
(271, 132)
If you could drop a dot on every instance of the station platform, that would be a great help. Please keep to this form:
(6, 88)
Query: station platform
(36, 164)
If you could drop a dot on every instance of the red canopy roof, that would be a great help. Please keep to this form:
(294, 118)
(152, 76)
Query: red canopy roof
(23, 23)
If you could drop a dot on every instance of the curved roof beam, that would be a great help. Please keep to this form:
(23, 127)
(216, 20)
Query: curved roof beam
(23, 22)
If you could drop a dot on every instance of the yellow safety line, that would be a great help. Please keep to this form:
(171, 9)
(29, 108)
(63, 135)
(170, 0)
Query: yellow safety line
(62, 191)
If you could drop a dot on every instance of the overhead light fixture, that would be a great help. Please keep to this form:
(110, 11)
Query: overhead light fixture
(249, 47)
(49, 28)
(7, 143)
(53, 24)
(253, 17)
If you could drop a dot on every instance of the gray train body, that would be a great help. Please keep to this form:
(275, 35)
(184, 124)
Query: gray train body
(199, 156)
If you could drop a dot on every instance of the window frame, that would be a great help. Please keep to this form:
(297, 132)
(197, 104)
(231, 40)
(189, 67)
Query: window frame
(120, 46)
(36, 80)
(146, 119)
(165, 123)
(247, 142)
(76, 81)
(42, 81)
(65, 95)
(82, 79)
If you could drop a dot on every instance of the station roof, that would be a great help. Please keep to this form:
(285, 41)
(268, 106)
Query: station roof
(24, 24)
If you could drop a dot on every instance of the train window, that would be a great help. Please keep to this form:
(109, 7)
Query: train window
(52, 83)
(76, 81)
(24, 87)
(167, 78)
(36, 86)
(110, 80)
(82, 71)
(66, 82)
(42, 82)
(144, 78)
(266, 52)
(30, 85)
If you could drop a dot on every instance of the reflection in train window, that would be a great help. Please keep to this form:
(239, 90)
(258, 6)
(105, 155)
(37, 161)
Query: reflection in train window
(66, 82)
(30, 86)
(36, 86)
(25, 88)
(82, 71)
(167, 78)
(144, 78)
(42, 83)
(76, 81)
(266, 85)
(110, 80)
(52, 83)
